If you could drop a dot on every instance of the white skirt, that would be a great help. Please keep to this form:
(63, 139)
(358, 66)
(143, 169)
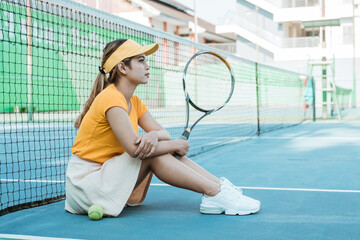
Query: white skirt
(110, 184)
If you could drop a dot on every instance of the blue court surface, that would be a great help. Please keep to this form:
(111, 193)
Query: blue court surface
(307, 178)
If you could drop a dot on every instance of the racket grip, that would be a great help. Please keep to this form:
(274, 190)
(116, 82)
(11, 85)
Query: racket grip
(177, 156)
(184, 136)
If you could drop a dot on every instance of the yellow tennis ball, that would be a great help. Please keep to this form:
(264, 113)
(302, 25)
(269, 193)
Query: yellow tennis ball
(95, 212)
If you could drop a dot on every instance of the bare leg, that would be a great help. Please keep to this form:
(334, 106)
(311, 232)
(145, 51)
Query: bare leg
(174, 172)
(188, 162)
(191, 164)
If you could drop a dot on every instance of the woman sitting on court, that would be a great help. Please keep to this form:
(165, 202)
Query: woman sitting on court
(112, 166)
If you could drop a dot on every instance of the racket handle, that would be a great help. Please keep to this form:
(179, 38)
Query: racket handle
(184, 136)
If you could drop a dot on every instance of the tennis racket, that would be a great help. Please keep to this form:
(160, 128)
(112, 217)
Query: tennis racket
(208, 83)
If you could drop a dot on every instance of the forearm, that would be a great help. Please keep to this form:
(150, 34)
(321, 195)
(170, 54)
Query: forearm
(164, 147)
(163, 135)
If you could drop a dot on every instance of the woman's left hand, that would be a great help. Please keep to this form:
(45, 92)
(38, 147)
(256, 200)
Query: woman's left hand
(147, 144)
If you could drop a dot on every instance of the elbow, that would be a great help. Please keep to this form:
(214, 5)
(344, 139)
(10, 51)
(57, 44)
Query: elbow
(131, 151)
(132, 154)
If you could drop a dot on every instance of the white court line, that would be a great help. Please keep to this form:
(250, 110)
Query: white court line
(167, 185)
(304, 189)
(289, 137)
(320, 138)
(281, 189)
(27, 126)
(31, 180)
(28, 237)
(246, 137)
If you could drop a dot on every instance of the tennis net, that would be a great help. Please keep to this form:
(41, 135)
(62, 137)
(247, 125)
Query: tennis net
(50, 53)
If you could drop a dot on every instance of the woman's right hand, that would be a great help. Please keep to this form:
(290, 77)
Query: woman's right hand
(181, 147)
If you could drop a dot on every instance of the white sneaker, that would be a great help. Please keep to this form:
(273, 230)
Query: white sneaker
(229, 202)
(225, 181)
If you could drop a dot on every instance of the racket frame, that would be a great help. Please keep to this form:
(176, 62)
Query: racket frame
(187, 130)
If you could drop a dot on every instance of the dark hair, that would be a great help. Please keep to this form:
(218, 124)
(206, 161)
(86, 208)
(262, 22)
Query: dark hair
(102, 81)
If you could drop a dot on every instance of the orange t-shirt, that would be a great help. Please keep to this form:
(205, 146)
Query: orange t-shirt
(95, 139)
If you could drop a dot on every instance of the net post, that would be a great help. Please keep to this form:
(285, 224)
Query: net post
(29, 61)
(257, 98)
(313, 101)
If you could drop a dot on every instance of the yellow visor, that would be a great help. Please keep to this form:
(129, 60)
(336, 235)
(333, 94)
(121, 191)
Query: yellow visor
(129, 48)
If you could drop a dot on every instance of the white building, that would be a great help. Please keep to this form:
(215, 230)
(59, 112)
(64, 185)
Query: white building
(281, 33)
(289, 33)
(169, 16)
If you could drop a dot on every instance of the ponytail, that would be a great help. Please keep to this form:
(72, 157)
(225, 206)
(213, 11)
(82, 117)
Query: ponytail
(100, 84)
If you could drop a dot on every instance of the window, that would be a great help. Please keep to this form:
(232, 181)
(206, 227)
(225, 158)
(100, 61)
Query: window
(347, 34)
(312, 32)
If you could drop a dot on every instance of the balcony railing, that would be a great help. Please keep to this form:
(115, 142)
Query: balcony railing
(260, 32)
(301, 42)
(226, 47)
(294, 3)
(296, 42)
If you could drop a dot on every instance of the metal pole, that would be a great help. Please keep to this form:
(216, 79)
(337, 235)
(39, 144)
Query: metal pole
(313, 102)
(29, 61)
(257, 33)
(257, 98)
(196, 22)
(353, 99)
(323, 72)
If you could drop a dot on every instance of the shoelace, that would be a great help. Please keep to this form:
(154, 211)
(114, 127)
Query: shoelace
(238, 189)
(231, 185)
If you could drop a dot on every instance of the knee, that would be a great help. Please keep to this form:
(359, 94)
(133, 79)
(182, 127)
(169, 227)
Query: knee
(158, 159)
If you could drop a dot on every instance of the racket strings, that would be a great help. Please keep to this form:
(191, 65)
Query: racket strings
(208, 81)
